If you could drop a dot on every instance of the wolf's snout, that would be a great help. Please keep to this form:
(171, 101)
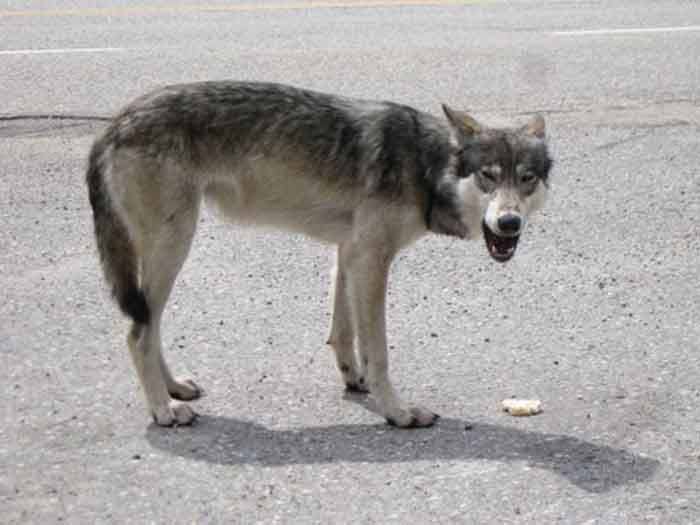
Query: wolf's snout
(509, 224)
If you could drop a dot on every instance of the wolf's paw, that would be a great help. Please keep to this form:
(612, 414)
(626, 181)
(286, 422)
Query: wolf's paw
(185, 389)
(413, 417)
(357, 386)
(174, 414)
(353, 378)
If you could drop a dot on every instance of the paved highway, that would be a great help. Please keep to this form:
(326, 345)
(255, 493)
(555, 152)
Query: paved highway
(598, 315)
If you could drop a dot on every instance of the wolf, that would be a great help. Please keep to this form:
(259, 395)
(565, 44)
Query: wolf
(369, 177)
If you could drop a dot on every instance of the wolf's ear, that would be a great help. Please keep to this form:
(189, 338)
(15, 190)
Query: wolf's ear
(462, 121)
(536, 127)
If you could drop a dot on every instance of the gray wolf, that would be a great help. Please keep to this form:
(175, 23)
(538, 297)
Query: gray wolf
(369, 177)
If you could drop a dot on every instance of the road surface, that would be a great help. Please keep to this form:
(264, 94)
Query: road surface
(597, 315)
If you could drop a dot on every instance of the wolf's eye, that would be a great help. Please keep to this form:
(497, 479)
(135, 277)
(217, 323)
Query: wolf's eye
(528, 178)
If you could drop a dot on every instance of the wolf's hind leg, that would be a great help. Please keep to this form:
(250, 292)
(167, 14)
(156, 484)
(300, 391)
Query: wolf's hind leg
(163, 259)
(144, 344)
(342, 334)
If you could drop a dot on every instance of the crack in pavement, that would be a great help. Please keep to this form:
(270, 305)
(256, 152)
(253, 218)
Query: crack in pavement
(46, 124)
(53, 116)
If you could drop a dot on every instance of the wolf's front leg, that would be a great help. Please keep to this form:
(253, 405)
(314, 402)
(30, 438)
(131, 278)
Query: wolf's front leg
(342, 330)
(368, 272)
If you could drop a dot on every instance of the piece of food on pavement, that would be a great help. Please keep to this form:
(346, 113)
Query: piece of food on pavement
(522, 407)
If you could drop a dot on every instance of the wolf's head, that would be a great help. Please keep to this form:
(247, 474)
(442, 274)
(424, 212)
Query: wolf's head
(497, 178)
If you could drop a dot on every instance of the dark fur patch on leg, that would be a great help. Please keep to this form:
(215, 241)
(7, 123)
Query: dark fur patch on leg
(134, 304)
(355, 388)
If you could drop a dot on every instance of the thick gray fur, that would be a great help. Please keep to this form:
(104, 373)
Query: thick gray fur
(370, 177)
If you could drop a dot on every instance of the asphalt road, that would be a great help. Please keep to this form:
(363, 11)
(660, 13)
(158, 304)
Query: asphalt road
(597, 316)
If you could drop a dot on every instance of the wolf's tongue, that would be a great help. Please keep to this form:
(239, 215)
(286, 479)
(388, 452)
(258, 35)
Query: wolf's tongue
(504, 244)
(501, 248)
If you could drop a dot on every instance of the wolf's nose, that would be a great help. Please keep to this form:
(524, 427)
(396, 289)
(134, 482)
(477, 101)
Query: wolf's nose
(509, 223)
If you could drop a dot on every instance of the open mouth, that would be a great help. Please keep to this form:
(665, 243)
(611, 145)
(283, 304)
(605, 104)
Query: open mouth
(500, 248)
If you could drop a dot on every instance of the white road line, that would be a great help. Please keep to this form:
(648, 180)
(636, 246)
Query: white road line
(64, 50)
(218, 7)
(627, 31)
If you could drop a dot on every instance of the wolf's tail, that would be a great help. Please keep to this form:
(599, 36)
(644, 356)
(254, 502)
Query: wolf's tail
(117, 254)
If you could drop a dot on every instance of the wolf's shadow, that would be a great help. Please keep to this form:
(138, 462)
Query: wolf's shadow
(594, 468)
